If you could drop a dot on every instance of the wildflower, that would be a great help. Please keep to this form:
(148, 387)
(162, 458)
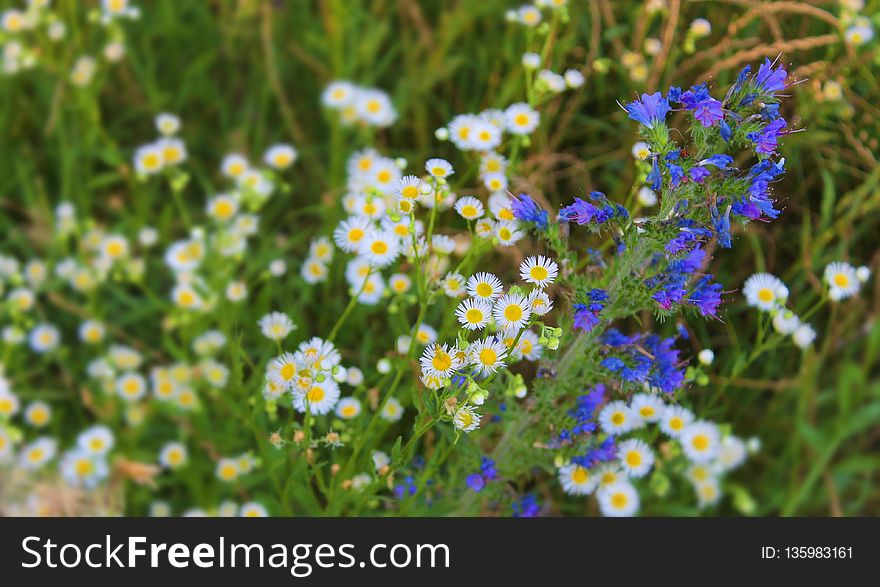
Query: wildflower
(276, 325)
(9, 403)
(392, 411)
(577, 480)
(469, 208)
(700, 441)
(512, 311)
(148, 159)
(439, 168)
(97, 440)
(674, 419)
(618, 499)
(37, 453)
(280, 156)
(474, 313)
(586, 313)
(319, 398)
(348, 408)
(529, 15)
(649, 111)
(583, 212)
(573, 78)
(732, 453)
(764, 291)
(803, 336)
(227, 469)
(539, 270)
(521, 119)
(487, 355)
(44, 338)
(167, 124)
(438, 360)
(617, 418)
(525, 209)
(466, 419)
(173, 455)
(766, 138)
(82, 469)
(647, 407)
(842, 280)
(635, 457)
(484, 286)
(380, 248)
(706, 357)
(37, 414)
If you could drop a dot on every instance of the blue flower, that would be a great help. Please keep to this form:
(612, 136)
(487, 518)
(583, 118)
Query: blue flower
(699, 174)
(586, 315)
(721, 224)
(676, 174)
(726, 133)
(766, 138)
(527, 210)
(654, 177)
(768, 79)
(650, 110)
(706, 296)
(475, 481)
(708, 112)
(674, 94)
(583, 212)
(526, 507)
(607, 451)
(721, 161)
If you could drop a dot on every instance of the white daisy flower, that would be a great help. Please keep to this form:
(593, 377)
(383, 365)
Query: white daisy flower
(439, 168)
(484, 286)
(392, 411)
(700, 441)
(863, 274)
(484, 136)
(148, 159)
(803, 336)
(438, 360)
(785, 322)
(674, 419)
(574, 78)
(426, 334)
(82, 469)
(44, 338)
(38, 414)
(350, 233)
(320, 398)
(276, 325)
(37, 453)
(539, 302)
(529, 15)
(222, 207)
(466, 419)
(442, 244)
(528, 347)
(708, 493)
(461, 131)
(635, 457)
(617, 418)
(540, 270)
(641, 150)
(167, 124)
(131, 387)
(577, 480)
(842, 280)
(618, 500)
(487, 355)
(97, 440)
(512, 311)
(399, 283)
(234, 165)
(9, 403)
(521, 119)
(380, 248)
(732, 453)
(492, 163)
(648, 407)
(253, 509)
(338, 94)
(173, 150)
(764, 291)
(173, 455)
(348, 408)
(507, 232)
(453, 285)
(314, 271)
(485, 228)
(283, 370)
(469, 208)
(280, 156)
(474, 313)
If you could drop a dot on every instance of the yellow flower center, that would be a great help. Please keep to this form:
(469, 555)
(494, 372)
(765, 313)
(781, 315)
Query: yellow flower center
(83, 467)
(521, 119)
(468, 211)
(484, 290)
(633, 458)
(619, 500)
(765, 294)
(513, 313)
(488, 356)
(384, 176)
(538, 273)
(379, 248)
(441, 361)
(316, 394)
(617, 418)
(288, 371)
(349, 411)
(676, 423)
(438, 171)
(355, 234)
(505, 214)
(841, 280)
(580, 475)
(410, 192)
(223, 209)
(646, 411)
(700, 442)
(474, 316)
